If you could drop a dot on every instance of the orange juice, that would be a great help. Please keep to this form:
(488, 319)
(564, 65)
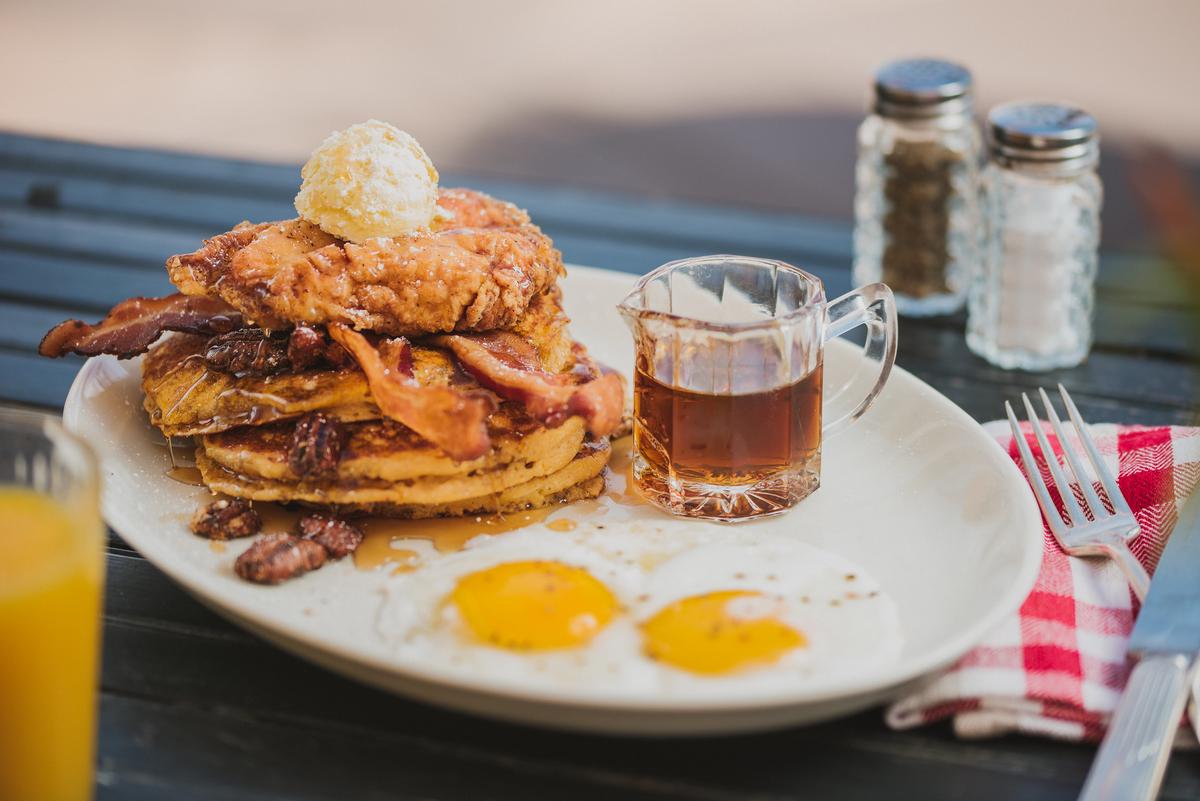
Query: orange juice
(51, 568)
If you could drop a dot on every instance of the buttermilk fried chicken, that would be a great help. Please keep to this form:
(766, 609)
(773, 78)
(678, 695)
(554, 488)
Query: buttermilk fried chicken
(477, 268)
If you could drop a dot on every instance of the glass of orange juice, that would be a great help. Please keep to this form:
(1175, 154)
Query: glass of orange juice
(51, 577)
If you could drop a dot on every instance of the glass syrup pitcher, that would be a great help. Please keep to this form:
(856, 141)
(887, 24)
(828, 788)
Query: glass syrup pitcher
(729, 403)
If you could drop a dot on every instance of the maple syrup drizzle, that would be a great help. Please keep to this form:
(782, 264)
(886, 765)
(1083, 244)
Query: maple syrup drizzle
(447, 535)
(562, 525)
(216, 546)
(408, 561)
(186, 474)
(277, 519)
(264, 407)
(186, 393)
(384, 536)
(622, 485)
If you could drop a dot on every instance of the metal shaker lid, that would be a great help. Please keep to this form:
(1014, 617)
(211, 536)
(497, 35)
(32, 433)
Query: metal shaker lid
(922, 87)
(1043, 132)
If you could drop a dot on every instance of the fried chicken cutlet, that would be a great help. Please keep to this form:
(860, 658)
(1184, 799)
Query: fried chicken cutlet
(476, 268)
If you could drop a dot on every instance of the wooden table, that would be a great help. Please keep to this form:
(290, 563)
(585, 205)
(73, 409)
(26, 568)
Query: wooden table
(194, 708)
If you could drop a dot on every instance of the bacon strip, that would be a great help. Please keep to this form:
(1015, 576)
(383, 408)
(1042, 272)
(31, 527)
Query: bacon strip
(454, 421)
(133, 325)
(509, 365)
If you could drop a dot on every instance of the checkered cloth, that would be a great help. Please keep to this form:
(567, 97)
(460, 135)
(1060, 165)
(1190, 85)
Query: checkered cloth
(1057, 667)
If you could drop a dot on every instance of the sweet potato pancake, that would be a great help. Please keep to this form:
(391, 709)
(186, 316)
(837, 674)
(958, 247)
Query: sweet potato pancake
(384, 450)
(581, 477)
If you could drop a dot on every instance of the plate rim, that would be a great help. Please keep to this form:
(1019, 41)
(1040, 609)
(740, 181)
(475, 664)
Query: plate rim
(744, 701)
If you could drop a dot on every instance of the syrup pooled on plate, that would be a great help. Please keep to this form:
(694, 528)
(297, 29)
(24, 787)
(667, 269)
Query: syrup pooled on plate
(186, 474)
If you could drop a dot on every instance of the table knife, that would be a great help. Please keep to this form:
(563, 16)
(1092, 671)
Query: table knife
(1165, 641)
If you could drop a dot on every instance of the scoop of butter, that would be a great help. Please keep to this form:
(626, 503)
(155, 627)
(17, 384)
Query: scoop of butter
(367, 181)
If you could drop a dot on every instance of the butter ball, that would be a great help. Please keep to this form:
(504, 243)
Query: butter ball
(370, 180)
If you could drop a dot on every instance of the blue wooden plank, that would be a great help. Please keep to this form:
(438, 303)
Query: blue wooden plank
(126, 197)
(75, 282)
(28, 378)
(157, 166)
(22, 325)
(129, 241)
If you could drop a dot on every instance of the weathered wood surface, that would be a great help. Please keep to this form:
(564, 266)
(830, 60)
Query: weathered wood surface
(194, 708)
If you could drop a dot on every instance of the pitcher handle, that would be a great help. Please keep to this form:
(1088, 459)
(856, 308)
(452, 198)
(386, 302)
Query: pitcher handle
(873, 306)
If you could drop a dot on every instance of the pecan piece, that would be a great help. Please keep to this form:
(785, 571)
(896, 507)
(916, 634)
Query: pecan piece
(316, 446)
(306, 347)
(336, 536)
(310, 347)
(247, 351)
(226, 519)
(278, 557)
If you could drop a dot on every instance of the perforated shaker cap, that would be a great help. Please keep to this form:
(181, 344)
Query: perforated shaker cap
(1044, 132)
(922, 87)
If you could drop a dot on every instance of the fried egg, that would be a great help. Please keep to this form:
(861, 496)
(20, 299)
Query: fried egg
(639, 608)
(533, 605)
(763, 608)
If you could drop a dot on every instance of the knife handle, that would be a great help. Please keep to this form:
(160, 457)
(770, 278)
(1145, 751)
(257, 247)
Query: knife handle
(1133, 756)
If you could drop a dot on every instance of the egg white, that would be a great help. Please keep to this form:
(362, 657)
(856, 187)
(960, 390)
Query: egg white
(849, 622)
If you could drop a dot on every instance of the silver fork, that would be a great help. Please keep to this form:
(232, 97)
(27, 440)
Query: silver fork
(1100, 533)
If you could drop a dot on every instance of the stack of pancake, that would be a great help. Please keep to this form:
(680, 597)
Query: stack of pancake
(425, 376)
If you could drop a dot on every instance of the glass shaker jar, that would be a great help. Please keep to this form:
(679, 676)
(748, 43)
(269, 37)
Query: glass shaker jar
(916, 206)
(1030, 304)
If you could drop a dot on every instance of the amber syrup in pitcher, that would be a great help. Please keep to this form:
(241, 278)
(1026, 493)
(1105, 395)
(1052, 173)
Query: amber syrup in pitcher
(768, 441)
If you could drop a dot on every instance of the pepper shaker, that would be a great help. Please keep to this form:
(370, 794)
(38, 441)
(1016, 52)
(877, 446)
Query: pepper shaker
(916, 204)
(1030, 304)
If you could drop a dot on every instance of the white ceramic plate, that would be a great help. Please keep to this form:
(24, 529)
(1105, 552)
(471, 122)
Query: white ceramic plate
(915, 492)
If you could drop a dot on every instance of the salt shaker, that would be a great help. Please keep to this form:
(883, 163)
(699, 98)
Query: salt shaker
(916, 204)
(1030, 304)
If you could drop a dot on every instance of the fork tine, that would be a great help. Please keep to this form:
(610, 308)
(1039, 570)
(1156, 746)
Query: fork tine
(1035, 477)
(1074, 513)
(1085, 483)
(1102, 472)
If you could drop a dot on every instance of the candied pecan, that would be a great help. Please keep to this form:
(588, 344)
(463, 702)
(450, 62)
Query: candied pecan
(247, 351)
(316, 446)
(337, 356)
(310, 347)
(278, 557)
(306, 347)
(336, 536)
(226, 519)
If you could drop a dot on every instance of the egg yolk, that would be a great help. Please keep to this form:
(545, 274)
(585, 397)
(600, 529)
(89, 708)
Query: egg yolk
(534, 605)
(720, 632)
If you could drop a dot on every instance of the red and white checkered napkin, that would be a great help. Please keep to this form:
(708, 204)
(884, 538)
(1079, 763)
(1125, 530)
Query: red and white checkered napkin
(1057, 667)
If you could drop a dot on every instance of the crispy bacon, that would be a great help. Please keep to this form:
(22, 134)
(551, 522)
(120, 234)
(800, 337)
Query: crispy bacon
(451, 419)
(133, 325)
(509, 365)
